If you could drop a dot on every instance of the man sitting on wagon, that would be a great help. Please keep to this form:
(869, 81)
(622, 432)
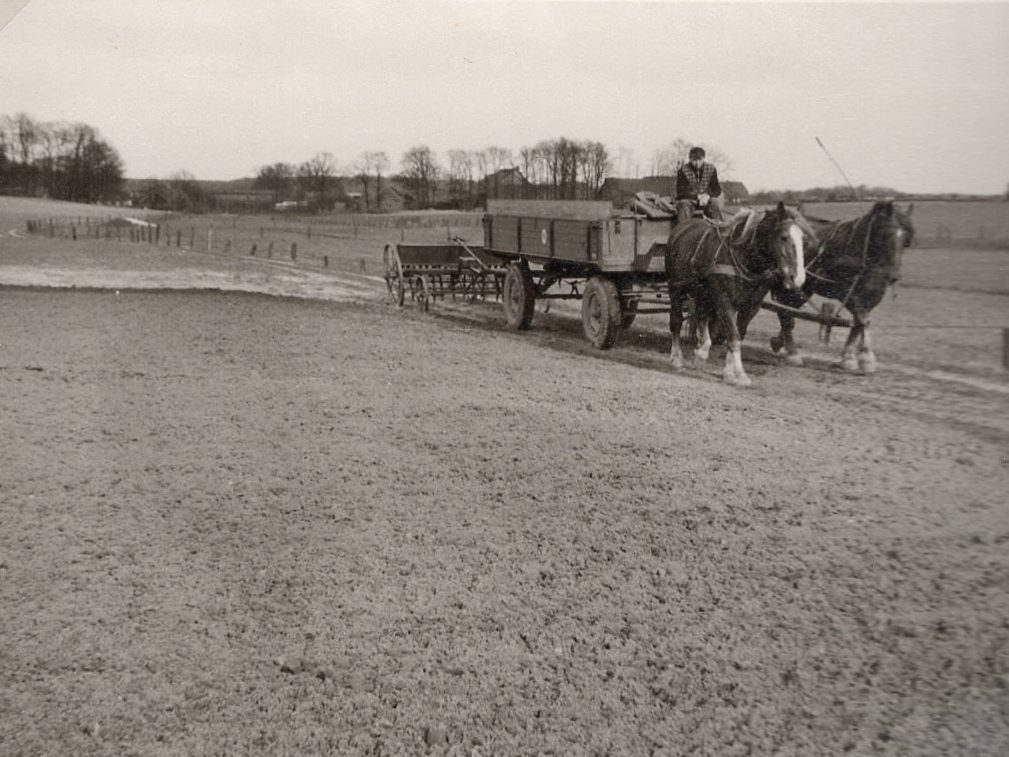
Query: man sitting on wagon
(697, 187)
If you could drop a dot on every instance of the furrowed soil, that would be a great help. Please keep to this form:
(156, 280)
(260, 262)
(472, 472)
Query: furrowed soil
(252, 509)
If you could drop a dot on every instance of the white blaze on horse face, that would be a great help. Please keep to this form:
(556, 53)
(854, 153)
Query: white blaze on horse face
(800, 262)
(899, 242)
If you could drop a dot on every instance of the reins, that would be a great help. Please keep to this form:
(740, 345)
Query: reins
(736, 269)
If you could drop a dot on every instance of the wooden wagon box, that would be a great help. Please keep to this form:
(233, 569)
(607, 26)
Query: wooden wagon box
(583, 233)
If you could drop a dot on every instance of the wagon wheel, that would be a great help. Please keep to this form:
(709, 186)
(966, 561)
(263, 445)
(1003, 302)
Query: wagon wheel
(601, 312)
(394, 275)
(519, 296)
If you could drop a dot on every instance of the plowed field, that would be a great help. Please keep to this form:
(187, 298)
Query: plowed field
(299, 520)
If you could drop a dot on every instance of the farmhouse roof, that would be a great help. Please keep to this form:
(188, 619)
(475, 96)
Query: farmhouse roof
(735, 189)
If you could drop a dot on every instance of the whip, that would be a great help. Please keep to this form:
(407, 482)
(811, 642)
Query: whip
(841, 170)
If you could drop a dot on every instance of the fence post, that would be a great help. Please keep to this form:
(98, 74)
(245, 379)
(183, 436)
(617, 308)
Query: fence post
(269, 250)
(325, 261)
(309, 232)
(210, 240)
(73, 232)
(192, 237)
(294, 250)
(252, 252)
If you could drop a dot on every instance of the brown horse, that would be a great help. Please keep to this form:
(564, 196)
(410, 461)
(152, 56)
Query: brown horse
(854, 262)
(725, 267)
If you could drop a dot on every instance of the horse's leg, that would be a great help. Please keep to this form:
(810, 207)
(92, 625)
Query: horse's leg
(702, 325)
(703, 347)
(866, 357)
(849, 360)
(733, 373)
(676, 297)
(786, 322)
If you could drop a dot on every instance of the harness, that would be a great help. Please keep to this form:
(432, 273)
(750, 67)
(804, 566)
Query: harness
(735, 267)
(864, 256)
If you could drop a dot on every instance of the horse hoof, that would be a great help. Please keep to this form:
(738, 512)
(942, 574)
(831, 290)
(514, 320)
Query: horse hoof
(850, 364)
(677, 364)
(738, 380)
(777, 344)
(868, 365)
(794, 359)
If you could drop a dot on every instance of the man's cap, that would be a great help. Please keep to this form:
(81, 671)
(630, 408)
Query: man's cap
(696, 152)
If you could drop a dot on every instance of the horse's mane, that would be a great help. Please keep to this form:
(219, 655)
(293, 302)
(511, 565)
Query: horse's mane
(750, 220)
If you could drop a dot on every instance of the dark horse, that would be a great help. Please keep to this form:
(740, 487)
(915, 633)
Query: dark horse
(725, 267)
(853, 262)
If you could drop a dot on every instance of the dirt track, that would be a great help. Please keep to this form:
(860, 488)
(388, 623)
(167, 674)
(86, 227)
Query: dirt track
(242, 524)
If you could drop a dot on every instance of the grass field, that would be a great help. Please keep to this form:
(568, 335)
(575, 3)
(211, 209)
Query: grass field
(355, 242)
(346, 241)
(939, 221)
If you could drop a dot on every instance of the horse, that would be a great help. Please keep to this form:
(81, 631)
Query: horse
(854, 262)
(723, 267)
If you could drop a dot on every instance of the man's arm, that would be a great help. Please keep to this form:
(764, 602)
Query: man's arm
(714, 188)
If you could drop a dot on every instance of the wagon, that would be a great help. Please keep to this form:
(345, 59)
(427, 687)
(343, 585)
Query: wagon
(435, 271)
(614, 262)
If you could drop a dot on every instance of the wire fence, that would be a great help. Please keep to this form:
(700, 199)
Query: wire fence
(351, 243)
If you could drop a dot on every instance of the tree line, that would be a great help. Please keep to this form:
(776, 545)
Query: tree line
(64, 161)
(552, 169)
(71, 161)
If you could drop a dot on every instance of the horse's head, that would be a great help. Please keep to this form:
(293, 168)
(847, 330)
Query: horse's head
(787, 245)
(891, 231)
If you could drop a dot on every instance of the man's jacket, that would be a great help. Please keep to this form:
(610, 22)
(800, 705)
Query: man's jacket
(690, 183)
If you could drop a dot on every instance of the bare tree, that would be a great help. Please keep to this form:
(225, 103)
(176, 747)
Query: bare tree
(276, 178)
(318, 175)
(597, 164)
(380, 164)
(372, 164)
(420, 169)
(91, 170)
(668, 160)
(460, 176)
(186, 194)
(497, 158)
(23, 138)
(481, 161)
(625, 163)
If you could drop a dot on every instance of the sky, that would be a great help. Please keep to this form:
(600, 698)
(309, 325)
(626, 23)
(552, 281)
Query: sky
(907, 95)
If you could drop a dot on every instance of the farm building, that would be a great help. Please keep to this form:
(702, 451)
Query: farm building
(393, 196)
(506, 184)
(735, 192)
